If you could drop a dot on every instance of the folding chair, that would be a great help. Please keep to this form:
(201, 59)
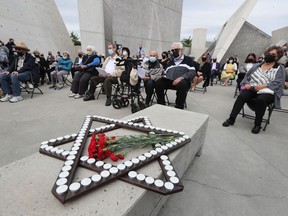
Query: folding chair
(66, 81)
(251, 105)
(168, 101)
(34, 86)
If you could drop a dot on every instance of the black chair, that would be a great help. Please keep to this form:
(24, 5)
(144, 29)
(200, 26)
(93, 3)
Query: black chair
(34, 86)
(251, 104)
(168, 101)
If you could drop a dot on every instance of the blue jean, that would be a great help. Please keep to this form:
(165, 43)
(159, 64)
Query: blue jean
(11, 83)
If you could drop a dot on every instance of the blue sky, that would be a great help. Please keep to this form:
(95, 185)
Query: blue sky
(267, 15)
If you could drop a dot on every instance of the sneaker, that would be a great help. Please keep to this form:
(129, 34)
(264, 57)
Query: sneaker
(77, 96)
(16, 99)
(89, 97)
(30, 85)
(228, 122)
(23, 85)
(72, 95)
(52, 87)
(108, 102)
(6, 98)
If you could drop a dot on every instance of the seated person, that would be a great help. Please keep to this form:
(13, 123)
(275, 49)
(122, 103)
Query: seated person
(215, 69)
(153, 72)
(109, 66)
(4, 57)
(203, 73)
(229, 71)
(62, 68)
(263, 82)
(286, 76)
(77, 63)
(86, 71)
(244, 68)
(19, 71)
(115, 77)
(165, 59)
(42, 64)
(178, 75)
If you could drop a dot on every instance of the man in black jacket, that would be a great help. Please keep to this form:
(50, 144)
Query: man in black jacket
(20, 70)
(178, 75)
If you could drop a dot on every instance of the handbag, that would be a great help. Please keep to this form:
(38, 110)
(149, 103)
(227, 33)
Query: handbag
(265, 91)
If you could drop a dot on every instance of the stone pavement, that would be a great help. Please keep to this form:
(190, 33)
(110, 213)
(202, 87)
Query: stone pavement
(239, 173)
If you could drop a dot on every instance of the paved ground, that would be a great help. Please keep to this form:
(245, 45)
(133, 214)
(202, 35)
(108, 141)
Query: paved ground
(239, 173)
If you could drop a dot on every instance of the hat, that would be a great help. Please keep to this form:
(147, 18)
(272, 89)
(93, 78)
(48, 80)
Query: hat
(21, 45)
(133, 77)
(66, 53)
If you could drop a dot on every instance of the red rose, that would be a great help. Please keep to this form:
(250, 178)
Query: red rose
(113, 157)
(120, 156)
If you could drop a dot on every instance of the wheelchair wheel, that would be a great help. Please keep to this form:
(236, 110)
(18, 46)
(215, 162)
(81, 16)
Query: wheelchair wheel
(116, 103)
(134, 108)
(142, 105)
(124, 102)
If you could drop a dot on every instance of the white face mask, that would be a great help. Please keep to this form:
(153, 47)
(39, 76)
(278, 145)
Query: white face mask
(230, 61)
(125, 53)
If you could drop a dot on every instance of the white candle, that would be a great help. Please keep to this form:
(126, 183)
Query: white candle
(99, 163)
(166, 162)
(121, 166)
(69, 162)
(71, 157)
(63, 174)
(66, 168)
(67, 137)
(84, 158)
(96, 178)
(60, 190)
(171, 173)
(169, 145)
(158, 183)
(159, 150)
(128, 163)
(85, 182)
(149, 180)
(44, 146)
(113, 170)
(107, 166)
(174, 180)
(73, 152)
(74, 186)
(140, 177)
(59, 151)
(168, 167)
(153, 152)
(164, 157)
(61, 181)
(44, 143)
(92, 130)
(91, 160)
(157, 145)
(169, 185)
(135, 160)
(60, 138)
(142, 158)
(52, 140)
(132, 174)
(105, 173)
(65, 153)
(186, 137)
(74, 135)
(48, 148)
(148, 155)
(164, 147)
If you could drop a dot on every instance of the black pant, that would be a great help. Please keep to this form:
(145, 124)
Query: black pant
(181, 91)
(261, 102)
(149, 89)
(239, 80)
(80, 82)
(94, 81)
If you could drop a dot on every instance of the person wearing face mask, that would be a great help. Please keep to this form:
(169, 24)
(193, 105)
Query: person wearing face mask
(87, 70)
(264, 84)
(165, 59)
(21, 69)
(4, 57)
(202, 74)
(284, 59)
(42, 64)
(244, 68)
(62, 68)
(77, 62)
(109, 66)
(153, 72)
(178, 75)
(215, 70)
(10, 45)
(229, 71)
(140, 52)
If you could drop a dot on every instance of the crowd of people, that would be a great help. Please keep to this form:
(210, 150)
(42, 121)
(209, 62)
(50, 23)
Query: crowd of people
(262, 79)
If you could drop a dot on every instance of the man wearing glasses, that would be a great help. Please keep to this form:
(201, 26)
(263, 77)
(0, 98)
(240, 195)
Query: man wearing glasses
(178, 76)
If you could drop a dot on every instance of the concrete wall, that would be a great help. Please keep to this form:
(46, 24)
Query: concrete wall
(279, 35)
(249, 39)
(154, 23)
(198, 42)
(37, 23)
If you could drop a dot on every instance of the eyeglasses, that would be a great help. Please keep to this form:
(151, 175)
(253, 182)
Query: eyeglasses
(173, 50)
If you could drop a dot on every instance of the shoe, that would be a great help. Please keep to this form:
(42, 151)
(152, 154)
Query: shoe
(23, 85)
(108, 102)
(77, 96)
(60, 87)
(72, 95)
(30, 85)
(228, 122)
(52, 87)
(256, 129)
(89, 97)
(6, 98)
(16, 99)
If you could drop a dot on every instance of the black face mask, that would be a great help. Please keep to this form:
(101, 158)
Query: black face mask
(37, 56)
(250, 60)
(175, 53)
(79, 55)
(214, 60)
(163, 57)
(204, 59)
(20, 53)
(269, 58)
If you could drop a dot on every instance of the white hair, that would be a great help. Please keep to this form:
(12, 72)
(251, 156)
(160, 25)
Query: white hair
(90, 47)
(178, 44)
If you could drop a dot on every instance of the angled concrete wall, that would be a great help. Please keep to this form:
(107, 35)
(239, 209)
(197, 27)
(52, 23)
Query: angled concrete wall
(37, 23)
(199, 42)
(280, 35)
(249, 39)
(154, 23)
(232, 27)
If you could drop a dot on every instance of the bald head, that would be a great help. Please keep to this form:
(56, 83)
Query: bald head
(153, 54)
